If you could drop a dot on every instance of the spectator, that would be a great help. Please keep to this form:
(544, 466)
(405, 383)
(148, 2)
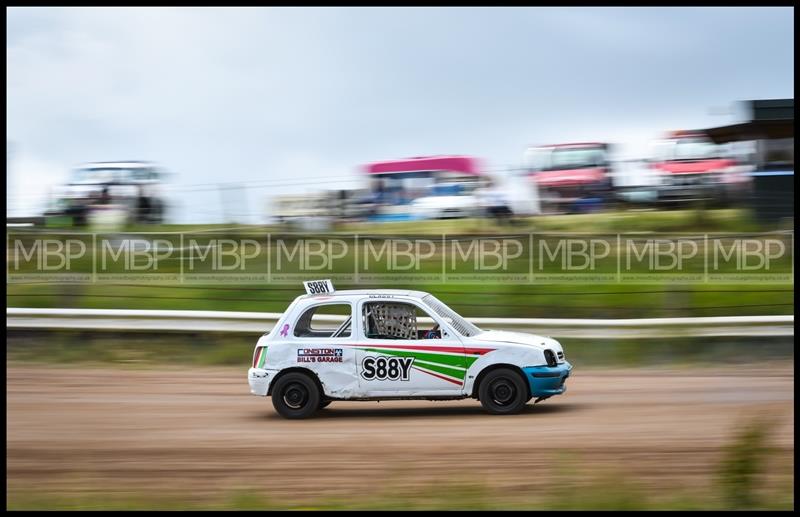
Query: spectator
(143, 205)
(105, 196)
(494, 201)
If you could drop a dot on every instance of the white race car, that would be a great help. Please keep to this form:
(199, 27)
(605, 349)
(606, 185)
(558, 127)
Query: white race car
(385, 344)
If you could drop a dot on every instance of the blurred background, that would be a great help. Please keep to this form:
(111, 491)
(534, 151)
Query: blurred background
(237, 111)
(402, 123)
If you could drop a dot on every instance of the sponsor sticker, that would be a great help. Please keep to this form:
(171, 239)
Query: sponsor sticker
(319, 355)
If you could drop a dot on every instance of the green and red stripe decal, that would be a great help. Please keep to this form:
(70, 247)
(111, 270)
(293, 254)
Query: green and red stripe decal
(447, 363)
(260, 358)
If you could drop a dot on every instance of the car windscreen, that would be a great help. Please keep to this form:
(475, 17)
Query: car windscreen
(578, 158)
(458, 323)
(112, 175)
(695, 149)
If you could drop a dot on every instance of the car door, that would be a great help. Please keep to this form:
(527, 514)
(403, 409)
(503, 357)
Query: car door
(322, 341)
(398, 354)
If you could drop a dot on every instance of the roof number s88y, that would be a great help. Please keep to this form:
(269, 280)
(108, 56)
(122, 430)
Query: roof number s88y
(318, 286)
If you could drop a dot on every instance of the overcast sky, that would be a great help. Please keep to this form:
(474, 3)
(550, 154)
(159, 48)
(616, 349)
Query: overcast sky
(287, 94)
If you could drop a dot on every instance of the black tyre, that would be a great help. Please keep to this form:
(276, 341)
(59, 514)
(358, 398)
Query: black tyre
(503, 392)
(325, 403)
(296, 395)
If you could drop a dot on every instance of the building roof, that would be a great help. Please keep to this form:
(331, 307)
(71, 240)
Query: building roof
(753, 130)
(463, 164)
(133, 164)
(576, 144)
(769, 119)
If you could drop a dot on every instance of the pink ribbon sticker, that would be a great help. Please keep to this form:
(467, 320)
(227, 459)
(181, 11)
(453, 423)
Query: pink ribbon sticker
(285, 331)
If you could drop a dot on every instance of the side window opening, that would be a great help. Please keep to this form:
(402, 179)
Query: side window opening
(326, 321)
(397, 320)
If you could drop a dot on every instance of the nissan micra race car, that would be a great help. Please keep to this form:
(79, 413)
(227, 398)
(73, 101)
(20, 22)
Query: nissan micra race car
(386, 344)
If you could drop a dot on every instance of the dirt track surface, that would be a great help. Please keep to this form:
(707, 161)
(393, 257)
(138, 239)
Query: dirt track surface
(199, 430)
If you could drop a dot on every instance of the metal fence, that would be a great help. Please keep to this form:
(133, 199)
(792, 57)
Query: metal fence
(260, 322)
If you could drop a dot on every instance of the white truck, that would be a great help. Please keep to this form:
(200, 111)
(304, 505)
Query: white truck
(125, 192)
(385, 344)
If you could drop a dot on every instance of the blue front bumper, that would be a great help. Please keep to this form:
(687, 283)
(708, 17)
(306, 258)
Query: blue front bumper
(546, 381)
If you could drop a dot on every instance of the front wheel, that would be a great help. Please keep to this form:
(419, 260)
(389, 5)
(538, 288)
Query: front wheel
(503, 392)
(296, 395)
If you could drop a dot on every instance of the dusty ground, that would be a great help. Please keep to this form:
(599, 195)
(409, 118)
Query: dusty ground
(198, 430)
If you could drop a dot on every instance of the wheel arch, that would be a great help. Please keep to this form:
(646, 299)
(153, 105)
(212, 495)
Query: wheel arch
(297, 369)
(496, 366)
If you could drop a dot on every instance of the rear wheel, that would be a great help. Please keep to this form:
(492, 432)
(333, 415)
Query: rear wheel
(296, 395)
(503, 392)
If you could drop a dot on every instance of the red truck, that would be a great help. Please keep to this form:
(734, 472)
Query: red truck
(691, 167)
(571, 177)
